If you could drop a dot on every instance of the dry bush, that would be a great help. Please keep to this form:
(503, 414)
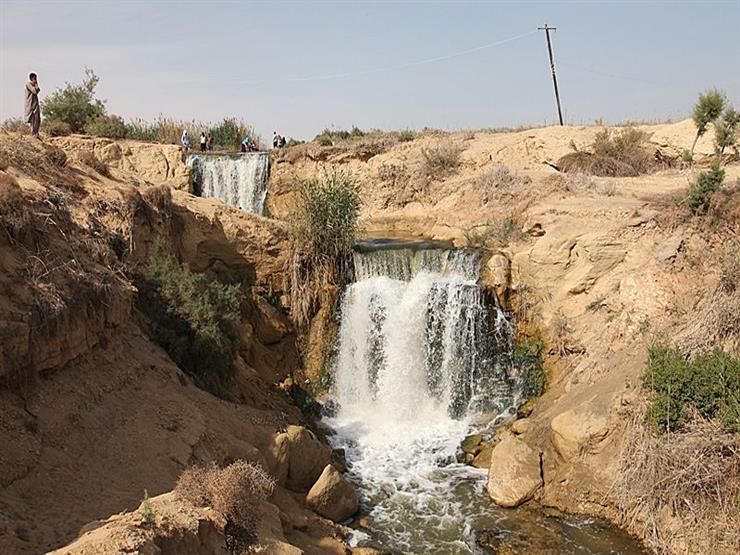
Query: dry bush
(441, 160)
(681, 491)
(499, 233)
(159, 196)
(561, 333)
(58, 128)
(613, 154)
(236, 492)
(16, 125)
(499, 177)
(394, 174)
(88, 158)
(716, 320)
(15, 216)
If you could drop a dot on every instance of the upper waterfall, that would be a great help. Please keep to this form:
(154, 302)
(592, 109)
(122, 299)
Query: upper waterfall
(237, 179)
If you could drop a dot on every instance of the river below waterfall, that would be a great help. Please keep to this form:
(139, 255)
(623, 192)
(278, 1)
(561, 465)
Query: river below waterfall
(422, 350)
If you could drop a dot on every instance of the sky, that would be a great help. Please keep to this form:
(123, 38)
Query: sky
(298, 67)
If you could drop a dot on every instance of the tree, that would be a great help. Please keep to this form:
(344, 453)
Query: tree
(75, 105)
(707, 109)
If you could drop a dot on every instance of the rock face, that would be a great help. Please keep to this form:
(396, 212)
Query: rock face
(574, 432)
(514, 476)
(299, 458)
(332, 496)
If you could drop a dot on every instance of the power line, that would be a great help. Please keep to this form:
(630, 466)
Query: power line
(381, 69)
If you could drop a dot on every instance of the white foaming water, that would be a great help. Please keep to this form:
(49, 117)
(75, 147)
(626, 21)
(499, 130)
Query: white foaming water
(238, 180)
(419, 351)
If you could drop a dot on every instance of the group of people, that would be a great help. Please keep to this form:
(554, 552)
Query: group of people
(206, 141)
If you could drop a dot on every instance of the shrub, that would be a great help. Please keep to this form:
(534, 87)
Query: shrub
(441, 160)
(111, 127)
(230, 132)
(499, 177)
(710, 384)
(235, 492)
(707, 183)
(57, 128)
(707, 109)
(75, 105)
(193, 318)
(620, 154)
(148, 516)
(324, 140)
(324, 230)
(159, 196)
(726, 131)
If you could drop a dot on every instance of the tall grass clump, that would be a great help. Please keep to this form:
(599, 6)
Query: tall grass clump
(325, 224)
(710, 384)
(613, 154)
(108, 126)
(193, 319)
(236, 492)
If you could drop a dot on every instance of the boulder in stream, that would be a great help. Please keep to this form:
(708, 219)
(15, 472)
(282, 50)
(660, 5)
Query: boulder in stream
(514, 475)
(332, 496)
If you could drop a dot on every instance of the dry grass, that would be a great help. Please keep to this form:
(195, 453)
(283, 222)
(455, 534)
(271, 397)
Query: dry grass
(681, 491)
(613, 154)
(15, 216)
(159, 196)
(441, 160)
(236, 492)
(498, 178)
(716, 319)
(497, 233)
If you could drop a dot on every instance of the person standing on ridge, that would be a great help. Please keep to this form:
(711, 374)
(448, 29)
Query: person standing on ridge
(203, 141)
(210, 142)
(275, 140)
(32, 108)
(185, 140)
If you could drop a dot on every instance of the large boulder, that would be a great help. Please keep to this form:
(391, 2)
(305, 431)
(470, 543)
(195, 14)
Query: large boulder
(514, 475)
(299, 458)
(332, 496)
(574, 433)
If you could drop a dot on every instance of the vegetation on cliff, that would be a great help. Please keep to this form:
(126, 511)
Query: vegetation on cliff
(612, 154)
(325, 224)
(194, 319)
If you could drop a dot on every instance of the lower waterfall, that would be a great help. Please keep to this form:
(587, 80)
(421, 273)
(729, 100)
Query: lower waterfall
(238, 180)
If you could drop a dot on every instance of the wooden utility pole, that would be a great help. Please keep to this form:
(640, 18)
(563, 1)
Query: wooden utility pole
(547, 30)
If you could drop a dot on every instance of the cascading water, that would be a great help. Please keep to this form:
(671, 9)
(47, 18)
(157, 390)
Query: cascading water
(422, 348)
(238, 180)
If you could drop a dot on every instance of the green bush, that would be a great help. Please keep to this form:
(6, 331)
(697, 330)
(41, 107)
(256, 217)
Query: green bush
(148, 516)
(406, 135)
(700, 192)
(194, 319)
(710, 383)
(528, 355)
(75, 105)
(111, 127)
(230, 132)
(725, 131)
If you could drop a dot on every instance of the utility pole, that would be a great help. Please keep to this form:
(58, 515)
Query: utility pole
(547, 30)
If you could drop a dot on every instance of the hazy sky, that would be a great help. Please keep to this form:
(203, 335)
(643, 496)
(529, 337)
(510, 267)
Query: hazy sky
(267, 62)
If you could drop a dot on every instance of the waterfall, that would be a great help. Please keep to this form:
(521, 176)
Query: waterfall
(422, 348)
(417, 330)
(238, 180)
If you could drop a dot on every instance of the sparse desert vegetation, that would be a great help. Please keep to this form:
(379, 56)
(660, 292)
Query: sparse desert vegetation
(613, 154)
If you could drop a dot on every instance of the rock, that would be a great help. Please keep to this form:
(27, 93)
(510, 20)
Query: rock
(497, 274)
(299, 458)
(332, 496)
(471, 444)
(575, 432)
(483, 457)
(669, 249)
(521, 426)
(339, 459)
(642, 218)
(514, 475)
(535, 230)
